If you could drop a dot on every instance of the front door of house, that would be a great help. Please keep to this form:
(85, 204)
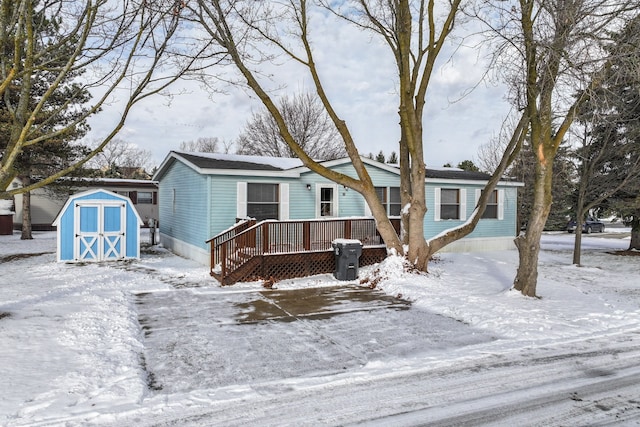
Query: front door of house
(100, 231)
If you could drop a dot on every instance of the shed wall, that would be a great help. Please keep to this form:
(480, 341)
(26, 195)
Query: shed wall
(66, 225)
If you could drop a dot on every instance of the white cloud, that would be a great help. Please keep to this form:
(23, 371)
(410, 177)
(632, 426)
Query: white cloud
(360, 78)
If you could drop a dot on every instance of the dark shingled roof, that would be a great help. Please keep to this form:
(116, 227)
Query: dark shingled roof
(457, 174)
(209, 163)
(205, 162)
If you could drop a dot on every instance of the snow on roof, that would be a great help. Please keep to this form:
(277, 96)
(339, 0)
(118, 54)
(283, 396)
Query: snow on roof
(282, 163)
(114, 181)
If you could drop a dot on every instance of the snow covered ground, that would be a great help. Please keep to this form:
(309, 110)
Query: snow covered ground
(158, 342)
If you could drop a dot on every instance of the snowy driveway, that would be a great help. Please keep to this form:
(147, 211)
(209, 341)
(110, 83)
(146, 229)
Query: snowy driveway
(198, 339)
(155, 342)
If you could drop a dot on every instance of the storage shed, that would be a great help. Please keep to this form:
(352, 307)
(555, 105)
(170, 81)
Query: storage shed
(98, 225)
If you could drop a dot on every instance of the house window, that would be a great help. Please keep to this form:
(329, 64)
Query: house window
(390, 199)
(145, 197)
(326, 201)
(449, 203)
(491, 211)
(262, 201)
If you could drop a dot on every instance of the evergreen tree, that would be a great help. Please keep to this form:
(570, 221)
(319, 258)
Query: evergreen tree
(609, 157)
(39, 160)
(393, 158)
(468, 165)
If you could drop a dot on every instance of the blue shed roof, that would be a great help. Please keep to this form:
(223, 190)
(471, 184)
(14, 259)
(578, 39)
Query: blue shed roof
(96, 194)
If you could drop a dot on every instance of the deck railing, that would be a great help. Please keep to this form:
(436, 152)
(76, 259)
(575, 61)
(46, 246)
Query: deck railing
(240, 226)
(236, 246)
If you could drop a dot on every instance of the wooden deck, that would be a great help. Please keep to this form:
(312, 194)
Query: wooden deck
(277, 250)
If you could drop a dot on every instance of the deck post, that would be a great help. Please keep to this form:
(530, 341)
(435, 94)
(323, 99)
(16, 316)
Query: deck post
(223, 263)
(306, 235)
(212, 261)
(347, 229)
(265, 238)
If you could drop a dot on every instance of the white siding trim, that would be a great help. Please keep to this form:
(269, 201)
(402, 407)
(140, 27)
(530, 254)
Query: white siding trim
(284, 202)
(501, 204)
(334, 201)
(436, 204)
(463, 203)
(241, 200)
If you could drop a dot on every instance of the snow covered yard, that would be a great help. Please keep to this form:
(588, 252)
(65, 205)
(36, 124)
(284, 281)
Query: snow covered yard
(156, 341)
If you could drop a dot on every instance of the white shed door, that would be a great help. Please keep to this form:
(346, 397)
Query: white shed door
(99, 233)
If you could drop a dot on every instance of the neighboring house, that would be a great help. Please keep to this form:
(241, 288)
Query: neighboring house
(46, 204)
(202, 195)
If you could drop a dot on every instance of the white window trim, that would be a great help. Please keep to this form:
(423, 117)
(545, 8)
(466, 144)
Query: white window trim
(500, 202)
(283, 200)
(283, 206)
(462, 204)
(334, 205)
(241, 200)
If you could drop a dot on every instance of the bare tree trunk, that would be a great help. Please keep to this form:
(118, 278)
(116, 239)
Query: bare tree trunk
(528, 244)
(418, 253)
(405, 191)
(577, 244)
(635, 231)
(580, 214)
(26, 211)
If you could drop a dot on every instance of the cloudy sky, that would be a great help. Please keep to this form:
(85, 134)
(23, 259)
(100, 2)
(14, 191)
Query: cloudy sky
(360, 78)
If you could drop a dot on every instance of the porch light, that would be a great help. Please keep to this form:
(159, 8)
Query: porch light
(309, 187)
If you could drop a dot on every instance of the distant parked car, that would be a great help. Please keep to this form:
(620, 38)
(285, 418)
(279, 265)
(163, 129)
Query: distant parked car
(590, 225)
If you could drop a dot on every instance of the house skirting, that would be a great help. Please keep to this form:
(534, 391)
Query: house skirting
(186, 250)
(481, 244)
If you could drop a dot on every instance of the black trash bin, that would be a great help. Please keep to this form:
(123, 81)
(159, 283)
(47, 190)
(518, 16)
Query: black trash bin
(347, 253)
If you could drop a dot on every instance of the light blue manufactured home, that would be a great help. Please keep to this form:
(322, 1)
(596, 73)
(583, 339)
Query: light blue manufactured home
(204, 194)
(98, 225)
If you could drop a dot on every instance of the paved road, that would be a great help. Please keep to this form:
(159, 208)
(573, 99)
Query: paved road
(590, 382)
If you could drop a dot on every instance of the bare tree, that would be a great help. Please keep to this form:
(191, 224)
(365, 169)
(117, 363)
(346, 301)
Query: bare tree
(415, 32)
(550, 50)
(121, 159)
(202, 145)
(120, 53)
(308, 122)
(490, 153)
